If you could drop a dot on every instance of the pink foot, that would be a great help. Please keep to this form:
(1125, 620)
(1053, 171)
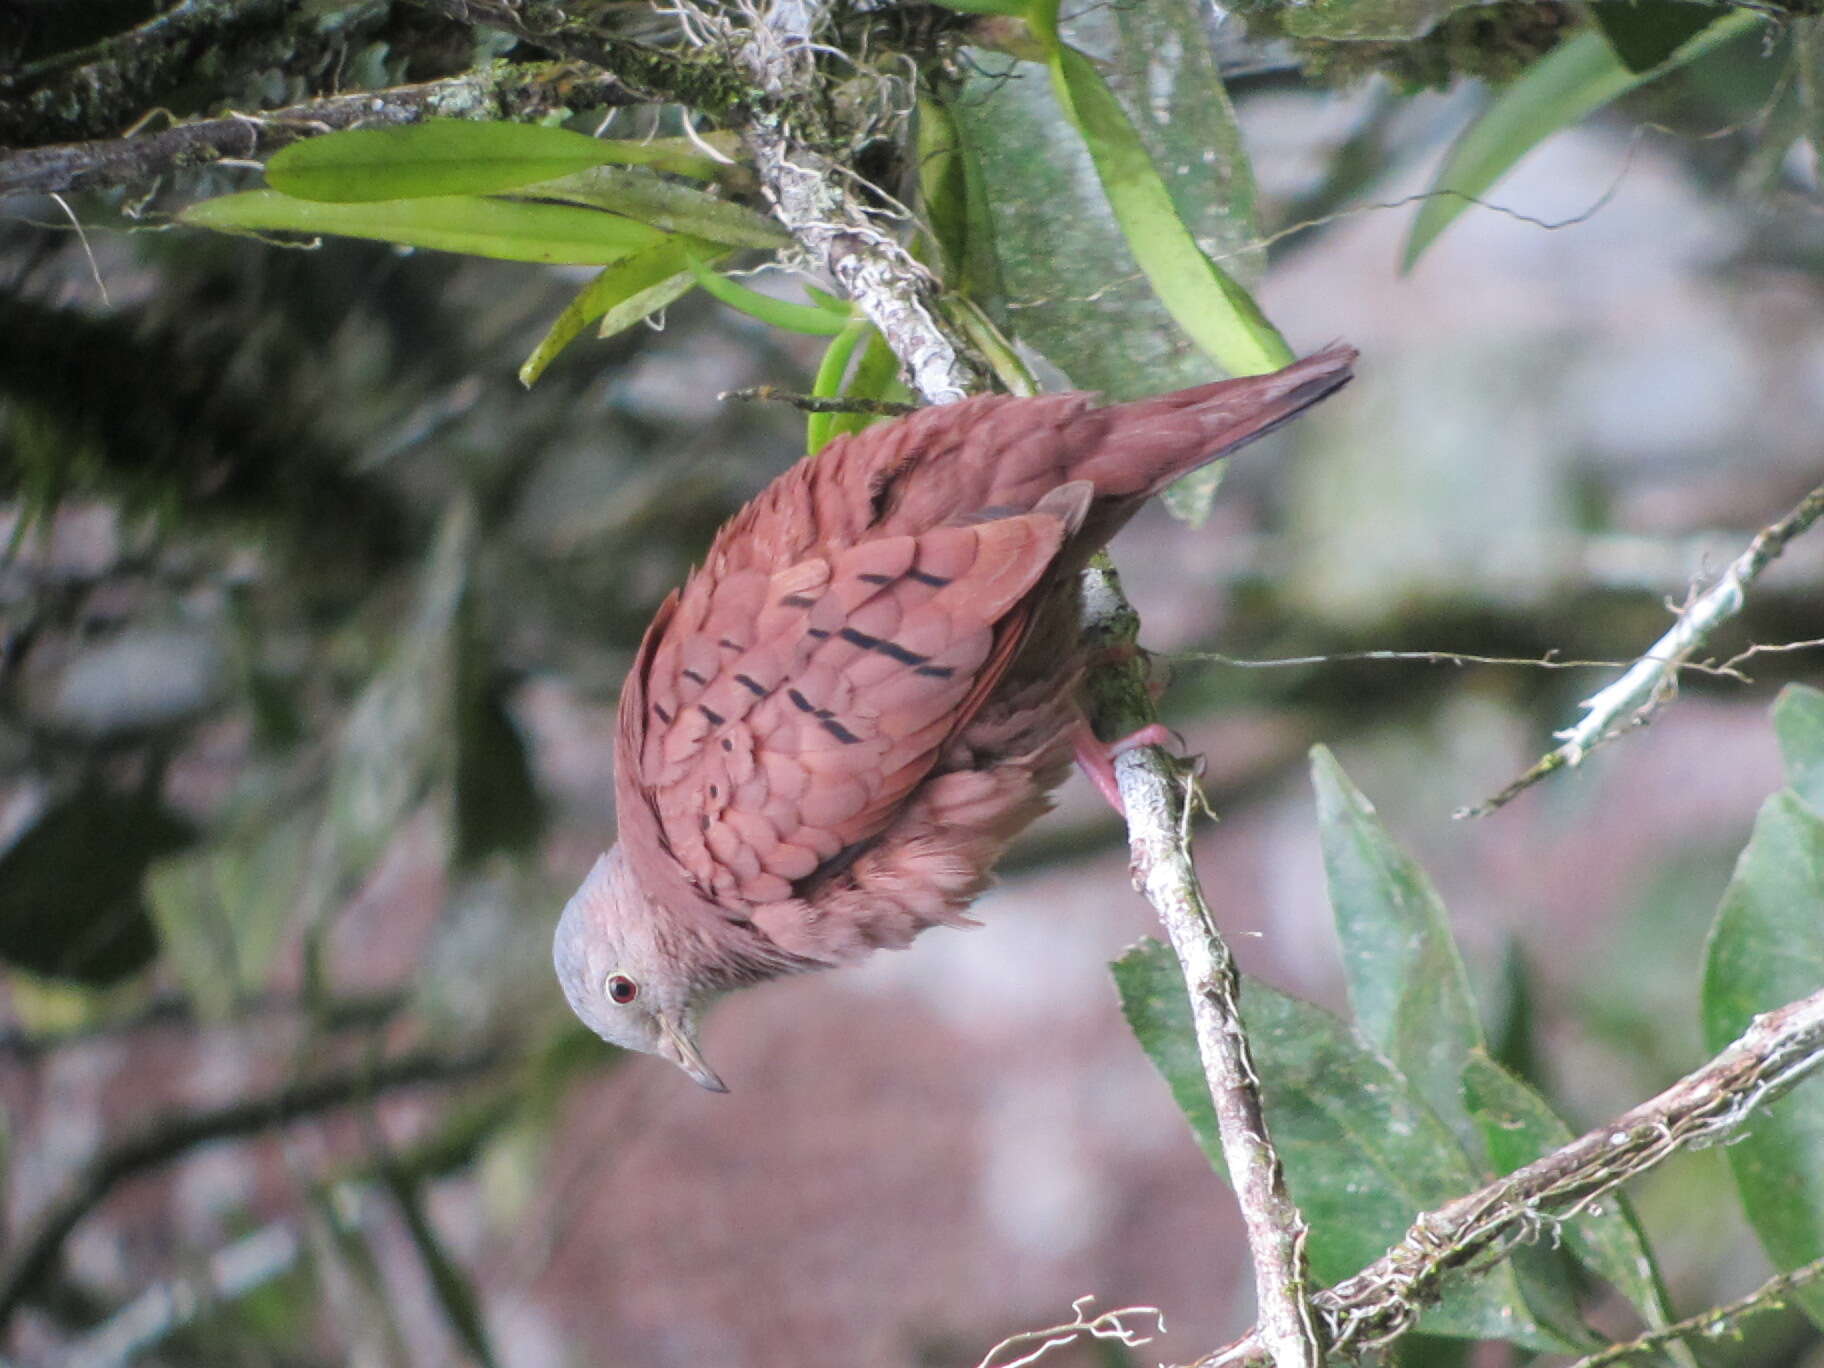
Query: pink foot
(1097, 761)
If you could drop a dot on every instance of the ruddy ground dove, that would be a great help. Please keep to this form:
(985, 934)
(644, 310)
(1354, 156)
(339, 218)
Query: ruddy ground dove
(833, 730)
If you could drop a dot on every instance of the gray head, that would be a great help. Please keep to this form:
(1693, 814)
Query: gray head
(620, 979)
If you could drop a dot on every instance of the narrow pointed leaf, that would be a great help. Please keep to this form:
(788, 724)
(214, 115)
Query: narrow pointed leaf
(663, 204)
(1215, 312)
(828, 382)
(1407, 985)
(1363, 1153)
(1519, 1126)
(954, 197)
(1767, 949)
(1558, 90)
(876, 376)
(453, 157)
(506, 230)
(71, 901)
(801, 318)
(642, 276)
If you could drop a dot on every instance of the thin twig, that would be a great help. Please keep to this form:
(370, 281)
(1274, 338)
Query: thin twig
(1769, 1296)
(813, 403)
(1706, 1107)
(1035, 1344)
(1158, 805)
(1632, 700)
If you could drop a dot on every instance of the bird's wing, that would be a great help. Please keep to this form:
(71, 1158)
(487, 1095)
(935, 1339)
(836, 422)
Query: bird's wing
(778, 721)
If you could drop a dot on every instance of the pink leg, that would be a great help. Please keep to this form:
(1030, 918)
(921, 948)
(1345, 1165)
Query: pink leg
(1097, 761)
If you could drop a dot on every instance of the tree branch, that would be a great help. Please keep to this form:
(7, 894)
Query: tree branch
(1704, 1108)
(521, 92)
(168, 1137)
(646, 72)
(814, 197)
(1632, 700)
(1159, 808)
(1769, 1296)
(97, 89)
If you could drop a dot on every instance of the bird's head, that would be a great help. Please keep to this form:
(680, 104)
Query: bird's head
(627, 987)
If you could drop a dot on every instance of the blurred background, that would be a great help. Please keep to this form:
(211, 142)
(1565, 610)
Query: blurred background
(313, 625)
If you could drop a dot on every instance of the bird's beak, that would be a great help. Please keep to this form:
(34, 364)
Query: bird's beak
(675, 1044)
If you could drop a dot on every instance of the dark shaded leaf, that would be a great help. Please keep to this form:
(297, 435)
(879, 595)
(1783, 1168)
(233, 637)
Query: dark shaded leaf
(1645, 33)
(497, 801)
(1519, 1126)
(71, 900)
(1767, 949)
(1363, 1153)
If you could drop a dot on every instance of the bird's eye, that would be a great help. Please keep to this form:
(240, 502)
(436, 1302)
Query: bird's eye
(622, 989)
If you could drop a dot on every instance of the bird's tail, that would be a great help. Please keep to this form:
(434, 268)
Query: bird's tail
(1150, 442)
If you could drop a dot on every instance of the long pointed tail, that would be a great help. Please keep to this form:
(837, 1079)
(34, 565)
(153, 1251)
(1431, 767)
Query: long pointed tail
(1151, 442)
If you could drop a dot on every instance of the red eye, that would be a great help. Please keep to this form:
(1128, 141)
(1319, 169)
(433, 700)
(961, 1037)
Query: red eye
(622, 989)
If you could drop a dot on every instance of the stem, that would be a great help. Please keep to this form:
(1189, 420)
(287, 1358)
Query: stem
(1632, 700)
(1158, 810)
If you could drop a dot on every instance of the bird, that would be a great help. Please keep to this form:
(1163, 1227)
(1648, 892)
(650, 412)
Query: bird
(832, 730)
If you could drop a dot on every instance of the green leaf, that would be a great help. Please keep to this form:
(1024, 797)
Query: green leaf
(71, 905)
(1363, 1153)
(876, 376)
(803, 318)
(1798, 721)
(954, 198)
(1645, 33)
(1518, 1127)
(645, 277)
(506, 230)
(1767, 949)
(451, 157)
(222, 911)
(1012, 7)
(1073, 287)
(1214, 311)
(663, 204)
(828, 382)
(1574, 80)
(1407, 985)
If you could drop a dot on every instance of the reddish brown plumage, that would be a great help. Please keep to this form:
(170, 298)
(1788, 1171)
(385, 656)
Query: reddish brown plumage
(832, 730)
